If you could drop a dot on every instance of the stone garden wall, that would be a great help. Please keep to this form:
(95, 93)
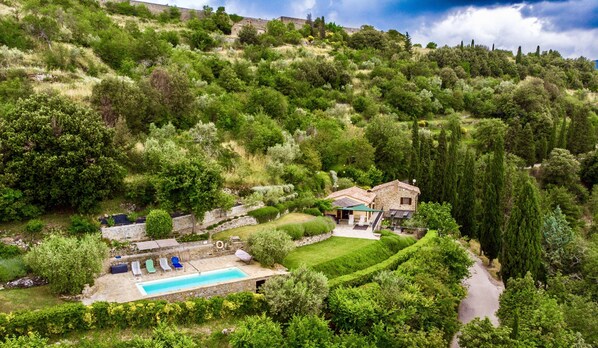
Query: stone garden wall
(214, 290)
(313, 239)
(240, 222)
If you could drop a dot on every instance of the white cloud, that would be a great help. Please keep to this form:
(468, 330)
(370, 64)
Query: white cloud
(507, 28)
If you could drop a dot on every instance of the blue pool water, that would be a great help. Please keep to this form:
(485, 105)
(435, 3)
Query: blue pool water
(190, 281)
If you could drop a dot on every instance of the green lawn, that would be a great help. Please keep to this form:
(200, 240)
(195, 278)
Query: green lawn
(27, 299)
(327, 250)
(245, 231)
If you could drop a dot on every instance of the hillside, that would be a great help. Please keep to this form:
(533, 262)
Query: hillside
(119, 108)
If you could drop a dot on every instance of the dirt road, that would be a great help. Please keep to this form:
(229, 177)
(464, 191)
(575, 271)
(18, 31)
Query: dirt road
(482, 296)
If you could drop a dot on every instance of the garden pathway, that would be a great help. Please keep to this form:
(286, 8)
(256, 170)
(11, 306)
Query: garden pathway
(483, 292)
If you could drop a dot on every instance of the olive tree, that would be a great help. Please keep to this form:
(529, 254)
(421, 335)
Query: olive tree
(68, 263)
(270, 246)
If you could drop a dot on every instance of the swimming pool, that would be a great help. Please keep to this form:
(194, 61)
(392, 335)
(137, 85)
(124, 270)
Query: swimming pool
(190, 281)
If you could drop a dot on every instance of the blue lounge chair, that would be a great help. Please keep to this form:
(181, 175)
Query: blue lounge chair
(176, 263)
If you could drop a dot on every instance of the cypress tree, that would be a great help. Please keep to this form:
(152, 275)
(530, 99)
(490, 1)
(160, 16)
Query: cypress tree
(538, 51)
(492, 47)
(450, 180)
(562, 142)
(552, 140)
(461, 46)
(522, 240)
(322, 28)
(541, 149)
(426, 174)
(408, 46)
(472, 43)
(492, 218)
(526, 147)
(440, 167)
(519, 56)
(513, 135)
(581, 132)
(414, 161)
(465, 214)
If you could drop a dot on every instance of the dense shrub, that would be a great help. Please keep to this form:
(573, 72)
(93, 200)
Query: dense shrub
(141, 190)
(12, 268)
(158, 224)
(308, 331)
(295, 231)
(302, 292)
(257, 332)
(270, 246)
(319, 225)
(32, 340)
(14, 206)
(313, 211)
(34, 226)
(68, 263)
(82, 224)
(8, 251)
(61, 319)
(264, 214)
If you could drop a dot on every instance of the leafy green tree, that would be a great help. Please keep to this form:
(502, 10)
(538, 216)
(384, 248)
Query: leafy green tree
(261, 134)
(269, 101)
(557, 235)
(487, 133)
(270, 246)
(158, 224)
(492, 220)
(390, 146)
(435, 216)
(85, 260)
(13, 35)
(522, 239)
(308, 331)
(201, 40)
(465, 212)
(565, 200)
(58, 153)
(248, 35)
(480, 333)
(581, 135)
(589, 170)
(257, 332)
(302, 292)
(189, 185)
(561, 168)
(368, 37)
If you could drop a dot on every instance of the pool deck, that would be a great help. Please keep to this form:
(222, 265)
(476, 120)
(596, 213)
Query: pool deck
(122, 287)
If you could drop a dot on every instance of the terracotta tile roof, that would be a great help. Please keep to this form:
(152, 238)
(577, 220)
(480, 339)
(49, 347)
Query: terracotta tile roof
(398, 184)
(356, 193)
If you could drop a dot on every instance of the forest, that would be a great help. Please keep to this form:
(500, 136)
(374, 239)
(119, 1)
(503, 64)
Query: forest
(110, 104)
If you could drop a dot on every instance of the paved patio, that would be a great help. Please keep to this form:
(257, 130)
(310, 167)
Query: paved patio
(344, 230)
(122, 287)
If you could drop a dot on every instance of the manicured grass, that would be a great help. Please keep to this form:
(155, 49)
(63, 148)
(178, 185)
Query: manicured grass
(27, 299)
(339, 256)
(245, 231)
(327, 250)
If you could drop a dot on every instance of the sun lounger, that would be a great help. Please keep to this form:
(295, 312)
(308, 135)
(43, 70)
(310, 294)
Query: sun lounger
(176, 263)
(164, 264)
(136, 268)
(149, 265)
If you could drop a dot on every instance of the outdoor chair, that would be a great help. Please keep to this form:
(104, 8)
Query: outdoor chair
(149, 265)
(361, 221)
(176, 263)
(164, 264)
(136, 268)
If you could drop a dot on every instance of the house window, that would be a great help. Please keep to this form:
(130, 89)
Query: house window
(405, 201)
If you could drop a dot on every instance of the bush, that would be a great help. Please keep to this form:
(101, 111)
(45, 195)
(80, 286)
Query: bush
(61, 319)
(319, 225)
(141, 190)
(32, 340)
(313, 211)
(158, 224)
(265, 214)
(257, 332)
(270, 246)
(308, 331)
(68, 263)
(34, 226)
(81, 224)
(295, 231)
(8, 251)
(14, 206)
(302, 292)
(11, 269)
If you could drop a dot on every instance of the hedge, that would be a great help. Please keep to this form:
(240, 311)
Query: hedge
(296, 231)
(265, 214)
(62, 319)
(313, 211)
(367, 274)
(318, 226)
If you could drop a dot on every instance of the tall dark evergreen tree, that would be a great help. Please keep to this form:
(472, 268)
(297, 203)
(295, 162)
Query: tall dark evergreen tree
(450, 181)
(492, 218)
(408, 44)
(461, 45)
(440, 167)
(526, 147)
(580, 137)
(522, 240)
(472, 43)
(465, 214)
(492, 47)
(538, 51)
(426, 169)
(415, 148)
(562, 140)
(513, 135)
(519, 56)
(322, 28)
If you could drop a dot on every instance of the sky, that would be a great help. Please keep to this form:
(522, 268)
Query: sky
(569, 26)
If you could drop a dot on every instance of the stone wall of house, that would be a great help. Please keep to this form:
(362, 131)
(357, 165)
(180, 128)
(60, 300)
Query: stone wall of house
(298, 22)
(258, 23)
(312, 239)
(240, 222)
(156, 9)
(390, 198)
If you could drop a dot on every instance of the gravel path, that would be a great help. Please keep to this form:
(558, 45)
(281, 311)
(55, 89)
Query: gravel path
(482, 296)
